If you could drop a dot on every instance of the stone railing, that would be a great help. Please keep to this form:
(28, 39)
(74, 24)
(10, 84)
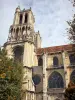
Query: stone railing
(71, 65)
(55, 90)
(55, 67)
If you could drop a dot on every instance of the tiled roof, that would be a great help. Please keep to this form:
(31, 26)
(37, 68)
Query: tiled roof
(55, 49)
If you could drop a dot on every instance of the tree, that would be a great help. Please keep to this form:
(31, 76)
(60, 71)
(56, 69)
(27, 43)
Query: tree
(71, 30)
(71, 23)
(70, 92)
(10, 77)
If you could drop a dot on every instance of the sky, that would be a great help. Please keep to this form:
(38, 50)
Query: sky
(50, 19)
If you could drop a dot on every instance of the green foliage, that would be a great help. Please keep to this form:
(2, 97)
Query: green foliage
(10, 78)
(71, 30)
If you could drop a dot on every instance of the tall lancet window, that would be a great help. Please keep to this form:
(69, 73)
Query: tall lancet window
(23, 31)
(40, 62)
(11, 30)
(26, 18)
(17, 32)
(20, 21)
(55, 61)
(72, 59)
(11, 33)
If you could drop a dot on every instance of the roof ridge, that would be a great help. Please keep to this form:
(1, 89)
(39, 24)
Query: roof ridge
(57, 46)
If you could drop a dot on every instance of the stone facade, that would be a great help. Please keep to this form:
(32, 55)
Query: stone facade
(47, 71)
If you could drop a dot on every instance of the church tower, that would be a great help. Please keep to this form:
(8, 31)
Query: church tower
(23, 40)
(22, 44)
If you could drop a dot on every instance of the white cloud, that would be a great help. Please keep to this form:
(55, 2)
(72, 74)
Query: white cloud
(50, 17)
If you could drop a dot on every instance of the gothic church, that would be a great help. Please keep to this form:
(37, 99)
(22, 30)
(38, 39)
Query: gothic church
(47, 71)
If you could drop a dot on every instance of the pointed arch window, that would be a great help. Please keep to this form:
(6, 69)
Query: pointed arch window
(72, 59)
(23, 31)
(72, 77)
(18, 53)
(55, 61)
(26, 18)
(11, 30)
(55, 80)
(16, 35)
(40, 62)
(20, 21)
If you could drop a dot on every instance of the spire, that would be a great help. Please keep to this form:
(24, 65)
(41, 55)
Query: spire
(30, 8)
(38, 32)
(18, 9)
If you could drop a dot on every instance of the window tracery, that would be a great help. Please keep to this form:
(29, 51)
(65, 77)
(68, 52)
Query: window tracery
(55, 80)
(72, 77)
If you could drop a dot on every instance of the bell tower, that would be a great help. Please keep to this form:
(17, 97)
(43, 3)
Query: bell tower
(22, 39)
(22, 43)
(23, 26)
(24, 17)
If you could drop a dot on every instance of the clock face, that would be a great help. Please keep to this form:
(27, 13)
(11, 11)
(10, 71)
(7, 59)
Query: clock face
(36, 79)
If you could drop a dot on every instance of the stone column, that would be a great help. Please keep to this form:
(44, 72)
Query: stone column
(16, 18)
(65, 68)
(26, 95)
(19, 35)
(44, 77)
(26, 54)
(23, 19)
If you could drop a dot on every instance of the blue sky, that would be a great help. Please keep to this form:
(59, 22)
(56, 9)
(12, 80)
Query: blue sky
(50, 19)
